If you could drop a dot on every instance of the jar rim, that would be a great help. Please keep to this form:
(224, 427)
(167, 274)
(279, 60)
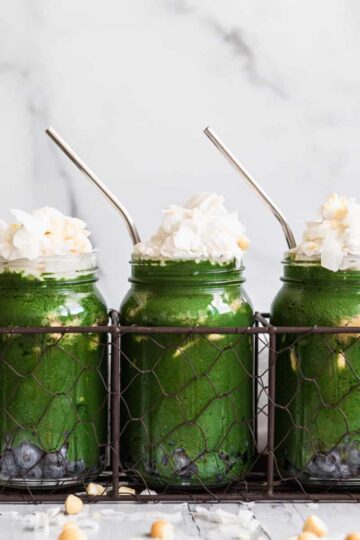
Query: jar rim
(188, 262)
(184, 272)
(53, 267)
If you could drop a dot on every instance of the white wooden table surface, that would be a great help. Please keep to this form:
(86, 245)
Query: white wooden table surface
(274, 521)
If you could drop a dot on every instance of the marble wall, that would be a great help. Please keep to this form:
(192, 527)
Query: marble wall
(132, 83)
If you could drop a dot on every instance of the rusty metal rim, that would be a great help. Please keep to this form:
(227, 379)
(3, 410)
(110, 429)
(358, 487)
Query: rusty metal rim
(111, 329)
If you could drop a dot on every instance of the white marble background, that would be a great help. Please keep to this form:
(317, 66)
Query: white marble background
(132, 83)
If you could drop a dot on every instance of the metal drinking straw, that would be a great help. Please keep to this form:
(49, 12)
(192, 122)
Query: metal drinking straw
(290, 239)
(69, 152)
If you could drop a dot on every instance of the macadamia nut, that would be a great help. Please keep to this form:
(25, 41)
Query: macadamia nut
(73, 505)
(162, 529)
(95, 489)
(126, 490)
(315, 525)
(71, 531)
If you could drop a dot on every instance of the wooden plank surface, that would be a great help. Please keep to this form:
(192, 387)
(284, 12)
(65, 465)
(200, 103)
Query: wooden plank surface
(261, 521)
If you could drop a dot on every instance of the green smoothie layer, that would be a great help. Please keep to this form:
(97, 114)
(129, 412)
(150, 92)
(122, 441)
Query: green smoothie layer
(187, 398)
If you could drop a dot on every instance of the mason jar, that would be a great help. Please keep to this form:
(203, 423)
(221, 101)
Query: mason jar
(187, 399)
(318, 376)
(53, 410)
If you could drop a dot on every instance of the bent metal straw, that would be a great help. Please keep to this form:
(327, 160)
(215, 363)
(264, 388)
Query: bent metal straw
(290, 239)
(69, 152)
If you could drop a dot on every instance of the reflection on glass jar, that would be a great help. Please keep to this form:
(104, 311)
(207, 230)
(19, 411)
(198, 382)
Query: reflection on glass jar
(318, 376)
(187, 399)
(53, 411)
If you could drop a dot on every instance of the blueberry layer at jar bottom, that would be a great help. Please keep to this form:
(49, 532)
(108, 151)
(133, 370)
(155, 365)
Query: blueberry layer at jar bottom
(28, 466)
(195, 474)
(338, 467)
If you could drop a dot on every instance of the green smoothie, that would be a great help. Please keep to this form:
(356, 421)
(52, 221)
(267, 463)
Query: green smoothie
(318, 376)
(53, 387)
(187, 399)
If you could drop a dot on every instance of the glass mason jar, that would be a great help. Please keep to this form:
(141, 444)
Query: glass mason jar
(187, 398)
(53, 409)
(317, 376)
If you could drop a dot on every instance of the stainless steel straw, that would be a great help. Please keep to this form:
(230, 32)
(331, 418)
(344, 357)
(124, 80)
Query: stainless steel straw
(290, 239)
(69, 152)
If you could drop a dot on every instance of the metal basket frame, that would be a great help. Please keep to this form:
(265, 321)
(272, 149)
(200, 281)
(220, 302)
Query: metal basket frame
(260, 485)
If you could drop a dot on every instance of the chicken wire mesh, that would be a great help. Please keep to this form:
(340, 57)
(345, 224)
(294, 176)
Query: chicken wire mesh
(54, 388)
(205, 414)
(317, 421)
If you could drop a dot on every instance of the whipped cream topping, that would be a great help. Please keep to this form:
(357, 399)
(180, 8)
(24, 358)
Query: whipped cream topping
(44, 233)
(334, 238)
(201, 230)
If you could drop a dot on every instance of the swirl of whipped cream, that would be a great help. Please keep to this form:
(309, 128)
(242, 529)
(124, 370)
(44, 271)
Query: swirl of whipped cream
(203, 229)
(45, 232)
(333, 239)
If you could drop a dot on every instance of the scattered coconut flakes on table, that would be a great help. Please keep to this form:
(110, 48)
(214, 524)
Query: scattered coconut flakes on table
(38, 519)
(243, 517)
(313, 506)
(11, 514)
(112, 513)
(242, 525)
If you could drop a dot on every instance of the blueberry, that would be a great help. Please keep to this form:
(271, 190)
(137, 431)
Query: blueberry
(230, 461)
(184, 467)
(53, 458)
(70, 466)
(8, 465)
(352, 458)
(27, 455)
(325, 464)
(76, 467)
(35, 472)
(345, 471)
(311, 469)
(54, 465)
(53, 471)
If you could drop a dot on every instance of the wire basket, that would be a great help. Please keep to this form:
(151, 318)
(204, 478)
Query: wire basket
(284, 426)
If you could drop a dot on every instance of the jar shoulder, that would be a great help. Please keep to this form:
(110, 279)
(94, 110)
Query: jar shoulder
(81, 306)
(187, 308)
(322, 305)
